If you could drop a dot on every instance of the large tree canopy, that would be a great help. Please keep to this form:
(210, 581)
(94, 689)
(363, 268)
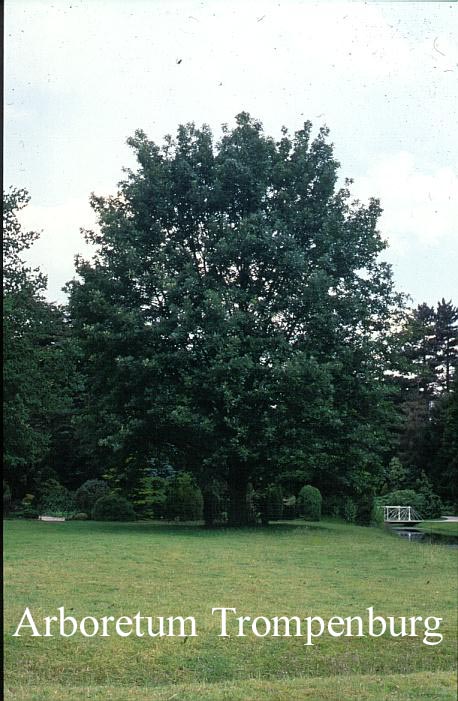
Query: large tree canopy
(236, 318)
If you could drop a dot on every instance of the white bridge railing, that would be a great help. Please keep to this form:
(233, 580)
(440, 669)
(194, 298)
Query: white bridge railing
(400, 514)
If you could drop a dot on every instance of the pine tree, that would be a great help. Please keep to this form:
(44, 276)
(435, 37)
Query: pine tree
(446, 335)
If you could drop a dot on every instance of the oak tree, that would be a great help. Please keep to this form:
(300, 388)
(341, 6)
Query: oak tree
(236, 319)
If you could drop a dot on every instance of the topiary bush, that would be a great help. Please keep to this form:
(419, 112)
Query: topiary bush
(184, 500)
(309, 503)
(113, 507)
(89, 492)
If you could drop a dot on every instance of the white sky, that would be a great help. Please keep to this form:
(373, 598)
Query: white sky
(82, 75)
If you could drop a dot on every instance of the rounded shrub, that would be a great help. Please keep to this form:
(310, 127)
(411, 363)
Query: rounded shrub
(89, 492)
(80, 516)
(184, 500)
(55, 499)
(309, 503)
(113, 507)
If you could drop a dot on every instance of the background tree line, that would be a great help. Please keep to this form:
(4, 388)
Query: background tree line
(235, 325)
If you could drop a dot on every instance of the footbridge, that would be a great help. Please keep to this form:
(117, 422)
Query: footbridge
(401, 515)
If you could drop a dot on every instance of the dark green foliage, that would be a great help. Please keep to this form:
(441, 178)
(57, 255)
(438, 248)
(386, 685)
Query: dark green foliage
(240, 501)
(6, 498)
(212, 506)
(129, 476)
(38, 362)
(396, 475)
(184, 499)
(142, 498)
(428, 440)
(27, 511)
(419, 350)
(274, 502)
(270, 503)
(341, 506)
(365, 507)
(25, 321)
(433, 507)
(149, 496)
(55, 500)
(113, 507)
(25, 508)
(158, 496)
(236, 322)
(442, 468)
(236, 319)
(422, 498)
(309, 503)
(446, 336)
(446, 460)
(403, 497)
(289, 507)
(431, 503)
(89, 492)
(332, 505)
(349, 510)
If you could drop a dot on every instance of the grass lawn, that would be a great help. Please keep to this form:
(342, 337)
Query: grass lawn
(440, 528)
(328, 569)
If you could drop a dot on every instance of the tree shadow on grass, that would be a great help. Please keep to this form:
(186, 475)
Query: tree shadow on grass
(198, 530)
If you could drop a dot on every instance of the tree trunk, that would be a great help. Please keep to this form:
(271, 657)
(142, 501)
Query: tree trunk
(239, 511)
